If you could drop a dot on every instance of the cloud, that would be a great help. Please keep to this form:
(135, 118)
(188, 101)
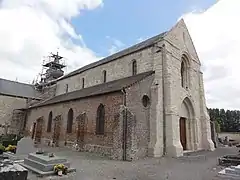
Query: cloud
(115, 45)
(215, 33)
(31, 29)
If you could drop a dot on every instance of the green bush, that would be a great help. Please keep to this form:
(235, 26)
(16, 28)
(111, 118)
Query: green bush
(7, 143)
(10, 139)
(2, 148)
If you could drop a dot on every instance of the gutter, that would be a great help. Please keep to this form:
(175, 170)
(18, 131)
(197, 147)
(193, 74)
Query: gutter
(124, 135)
(16, 96)
(163, 97)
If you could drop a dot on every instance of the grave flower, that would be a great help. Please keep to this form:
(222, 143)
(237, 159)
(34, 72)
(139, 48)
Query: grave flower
(60, 169)
(11, 148)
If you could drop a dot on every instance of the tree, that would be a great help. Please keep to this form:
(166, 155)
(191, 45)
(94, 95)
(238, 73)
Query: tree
(228, 120)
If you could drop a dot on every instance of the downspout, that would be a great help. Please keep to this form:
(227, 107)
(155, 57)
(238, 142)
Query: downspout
(124, 135)
(163, 98)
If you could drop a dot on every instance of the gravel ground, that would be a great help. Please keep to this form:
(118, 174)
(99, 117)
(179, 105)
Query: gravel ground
(199, 166)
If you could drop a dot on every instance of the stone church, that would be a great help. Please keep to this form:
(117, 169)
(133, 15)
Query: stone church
(147, 100)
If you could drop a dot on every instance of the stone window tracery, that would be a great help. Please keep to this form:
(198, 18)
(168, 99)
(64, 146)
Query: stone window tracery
(100, 121)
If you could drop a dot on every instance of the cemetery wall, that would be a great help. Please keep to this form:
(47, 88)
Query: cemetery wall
(230, 135)
(7, 105)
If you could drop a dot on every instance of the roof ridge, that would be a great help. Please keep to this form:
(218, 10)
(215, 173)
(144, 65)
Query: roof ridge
(136, 47)
(103, 88)
(12, 81)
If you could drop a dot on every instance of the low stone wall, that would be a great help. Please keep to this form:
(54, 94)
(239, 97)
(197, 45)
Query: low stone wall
(230, 135)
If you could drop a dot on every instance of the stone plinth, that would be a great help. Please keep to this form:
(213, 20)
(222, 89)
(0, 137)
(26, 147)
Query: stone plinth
(42, 164)
(70, 176)
(12, 171)
(13, 156)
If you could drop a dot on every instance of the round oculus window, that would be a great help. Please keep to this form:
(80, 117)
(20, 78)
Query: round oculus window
(145, 101)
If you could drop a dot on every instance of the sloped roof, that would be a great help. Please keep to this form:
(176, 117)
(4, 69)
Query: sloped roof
(12, 88)
(112, 86)
(142, 45)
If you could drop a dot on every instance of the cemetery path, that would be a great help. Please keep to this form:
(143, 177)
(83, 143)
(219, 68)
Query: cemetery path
(93, 167)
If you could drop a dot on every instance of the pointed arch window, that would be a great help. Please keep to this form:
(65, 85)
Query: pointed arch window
(49, 125)
(184, 72)
(104, 76)
(70, 121)
(100, 121)
(134, 67)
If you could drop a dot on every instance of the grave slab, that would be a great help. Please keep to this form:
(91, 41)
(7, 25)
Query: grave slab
(43, 165)
(12, 171)
(232, 172)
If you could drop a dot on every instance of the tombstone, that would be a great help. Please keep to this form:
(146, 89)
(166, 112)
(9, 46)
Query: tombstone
(24, 147)
(226, 140)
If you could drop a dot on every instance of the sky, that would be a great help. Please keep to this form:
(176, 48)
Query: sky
(84, 31)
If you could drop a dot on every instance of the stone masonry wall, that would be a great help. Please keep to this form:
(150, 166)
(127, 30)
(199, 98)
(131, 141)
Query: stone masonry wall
(134, 104)
(131, 140)
(94, 76)
(169, 96)
(17, 122)
(7, 105)
(177, 43)
(88, 106)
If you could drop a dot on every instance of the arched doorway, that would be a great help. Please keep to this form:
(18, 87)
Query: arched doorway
(187, 125)
(38, 132)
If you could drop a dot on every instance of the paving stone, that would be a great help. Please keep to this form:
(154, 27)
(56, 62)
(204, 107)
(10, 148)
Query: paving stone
(91, 166)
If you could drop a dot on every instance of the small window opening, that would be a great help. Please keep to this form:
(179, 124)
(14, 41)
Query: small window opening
(83, 82)
(134, 67)
(104, 76)
(145, 101)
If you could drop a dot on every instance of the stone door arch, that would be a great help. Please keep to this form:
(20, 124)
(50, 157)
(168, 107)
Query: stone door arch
(187, 125)
(39, 129)
(57, 130)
